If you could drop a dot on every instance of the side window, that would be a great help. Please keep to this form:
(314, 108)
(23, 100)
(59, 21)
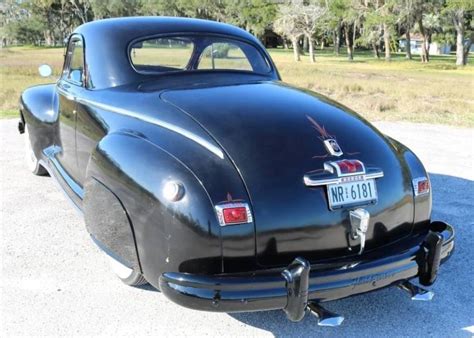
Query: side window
(75, 62)
(224, 55)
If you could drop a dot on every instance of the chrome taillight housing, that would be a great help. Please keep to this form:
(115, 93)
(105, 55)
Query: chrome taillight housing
(421, 186)
(233, 213)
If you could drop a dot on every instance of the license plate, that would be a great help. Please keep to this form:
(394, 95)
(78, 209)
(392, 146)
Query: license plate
(352, 193)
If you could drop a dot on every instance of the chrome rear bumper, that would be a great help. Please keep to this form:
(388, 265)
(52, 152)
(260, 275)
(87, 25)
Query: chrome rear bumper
(293, 288)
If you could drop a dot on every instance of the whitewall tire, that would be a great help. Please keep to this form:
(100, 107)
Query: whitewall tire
(126, 274)
(32, 163)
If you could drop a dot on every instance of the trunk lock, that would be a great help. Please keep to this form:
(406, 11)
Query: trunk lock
(359, 224)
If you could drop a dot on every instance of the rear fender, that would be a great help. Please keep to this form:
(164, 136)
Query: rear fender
(423, 203)
(39, 110)
(169, 236)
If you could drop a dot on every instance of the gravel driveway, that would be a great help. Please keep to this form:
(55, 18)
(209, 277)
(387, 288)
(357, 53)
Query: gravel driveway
(54, 281)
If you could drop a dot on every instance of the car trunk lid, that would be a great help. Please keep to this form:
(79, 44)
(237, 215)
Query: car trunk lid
(274, 134)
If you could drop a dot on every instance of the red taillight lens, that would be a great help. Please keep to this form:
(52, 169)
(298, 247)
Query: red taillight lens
(235, 215)
(421, 186)
(349, 166)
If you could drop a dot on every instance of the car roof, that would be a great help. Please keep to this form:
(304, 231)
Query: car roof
(106, 42)
(133, 27)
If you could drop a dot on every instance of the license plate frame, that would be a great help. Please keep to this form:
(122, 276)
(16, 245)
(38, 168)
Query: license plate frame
(341, 195)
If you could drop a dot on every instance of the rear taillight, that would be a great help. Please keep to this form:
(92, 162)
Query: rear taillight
(233, 213)
(345, 167)
(421, 186)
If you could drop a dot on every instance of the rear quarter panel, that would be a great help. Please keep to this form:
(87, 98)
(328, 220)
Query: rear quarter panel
(39, 110)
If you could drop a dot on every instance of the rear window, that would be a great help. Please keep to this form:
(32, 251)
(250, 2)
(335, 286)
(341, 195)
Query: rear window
(224, 55)
(196, 53)
(167, 53)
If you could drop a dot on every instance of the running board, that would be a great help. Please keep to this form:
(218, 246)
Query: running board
(325, 317)
(416, 292)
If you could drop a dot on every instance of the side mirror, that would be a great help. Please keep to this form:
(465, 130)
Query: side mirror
(45, 70)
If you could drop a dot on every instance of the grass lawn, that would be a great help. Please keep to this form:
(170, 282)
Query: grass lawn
(400, 90)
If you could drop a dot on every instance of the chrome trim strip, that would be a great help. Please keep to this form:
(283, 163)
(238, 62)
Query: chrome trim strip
(220, 212)
(66, 94)
(202, 142)
(374, 175)
(50, 154)
(308, 181)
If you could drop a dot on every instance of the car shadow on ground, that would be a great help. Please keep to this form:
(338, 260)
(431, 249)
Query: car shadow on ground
(391, 311)
(147, 287)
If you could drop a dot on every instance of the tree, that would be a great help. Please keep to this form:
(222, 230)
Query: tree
(161, 7)
(300, 19)
(460, 11)
(388, 21)
(287, 25)
(427, 18)
(348, 13)
(371, 33)
(309, 19)
(82, 9)
(378, 18)
(428, 24)
(115, 8)
(43, 11)
(406, 15)
(253, 15)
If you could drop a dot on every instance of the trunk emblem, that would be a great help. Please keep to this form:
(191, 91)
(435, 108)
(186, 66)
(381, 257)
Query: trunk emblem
(332, 147)
(329, 140)
(359, 219)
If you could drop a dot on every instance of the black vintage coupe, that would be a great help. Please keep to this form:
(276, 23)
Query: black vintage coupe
(199, 171)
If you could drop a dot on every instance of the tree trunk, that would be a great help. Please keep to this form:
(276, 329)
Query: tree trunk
(306, 44)
(322, 44)
(424, 46)
(375, 47)
(459, 48)
(48, 38)
(347, 35)
(285, 44)
(354, 30)
(408, 46)
(311, 49)
(300, 45)
(467, 48)
(459, 25)
(337, 40)
(386, 40)
(296, 49)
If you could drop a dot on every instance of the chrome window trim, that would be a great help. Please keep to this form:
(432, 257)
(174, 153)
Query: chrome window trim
(67, 62)
(271, 71)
